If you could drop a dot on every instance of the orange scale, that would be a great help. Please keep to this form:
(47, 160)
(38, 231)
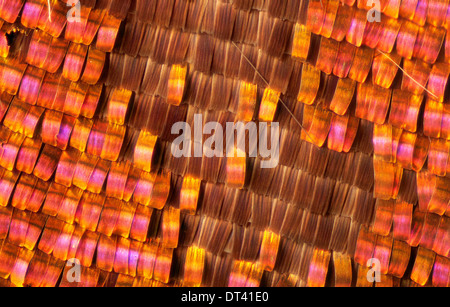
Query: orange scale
(362, 62)
(31, 85)
(342, 270)
(420, 14)
(135, 249)
(400, 256)
(51, 126)
(23, 191)
(236, 169)
(91, 102)
(432, 118)
(28, 155)
(372, 102)
(194, 266)
(117, 179)
(39, 48)
(75, 241)
(406, 39)
(442, 241)
(268, 105)
(66, 167)
(107, 33)
(83, 170)
(338, 130)
(447, 47)
(344, 59)
(405, 151)
(441, 272)
(160, 191)
(47, 162)
(239, 273)
(385, 142)
(387, 179)
(4, 47)
(301, 42)
(320, 127)
(49, 89)
(342, 23)
(80, 133)
(420, 152)
(423, 266)
(74, 62)
(343, 95)
(94, 66)
(247, 101)
(55, 22)
(309, 85)
(383, 70)
(18, 227)
(11, 73)
(330, 17)
(11, 150)
(50, 235)
(416, 76)
(390, 28)
(106, 252)
(7, 183)
(31, 12)
(118, 105)
(372, 34)
(69, 205)
(75, 98)
(109, 217)
(125, 219)
(98, 177)
(440, 197)
(318, 268)
(430, 228)
(416, 228)
(365, 246)
(31, 120)
(384, 214)
(355, 32)
(93, 24)
(8, 253)
(382, 252)
(438, 156)
(67, 124)
(75, 29)
(438, 80)
(170, 227)
(189, 195)
(428, 43)
(132, 181)
(35, 227)
(20, 269)
(89, 210)
(62, 243)
(405, 109)
(350, 135)
(327, 56)
(54, 198)
(392, 8)
(112, 145)
(436, 12)
(269, 250)
(315, 16)
(147, 259)
(5, 220)
(97, 138)
(141, 223)
(403, 212)
(56, 54)
(86, 248)
(16, 115)
(163, 264)
(10, 11)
